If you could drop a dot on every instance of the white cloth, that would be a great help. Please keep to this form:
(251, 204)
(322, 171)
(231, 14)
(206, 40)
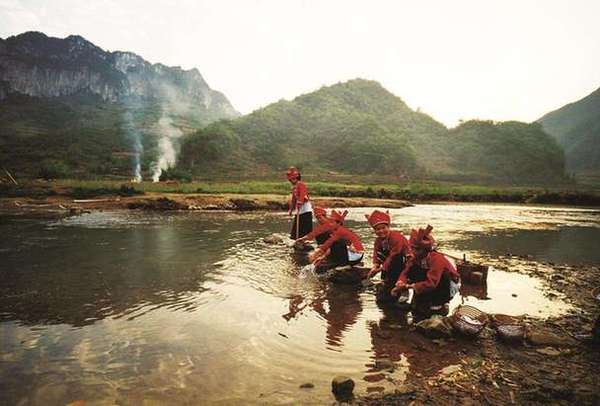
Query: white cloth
(454, 288)
(305, 208)
(354, 256)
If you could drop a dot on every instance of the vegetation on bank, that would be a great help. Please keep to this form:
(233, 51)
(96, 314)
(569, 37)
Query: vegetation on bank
(411, 191)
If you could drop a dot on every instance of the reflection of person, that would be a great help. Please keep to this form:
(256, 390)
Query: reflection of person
(342, 310)
(344, 307)
(433, 278)
(300, 205)
(389, 253)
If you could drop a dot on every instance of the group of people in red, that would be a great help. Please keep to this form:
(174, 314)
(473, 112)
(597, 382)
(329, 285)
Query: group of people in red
(404, 263)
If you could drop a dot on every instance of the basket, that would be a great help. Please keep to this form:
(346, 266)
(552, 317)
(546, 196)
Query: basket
(468, 320)
(472, 274)
(508, 328)
(596, 293)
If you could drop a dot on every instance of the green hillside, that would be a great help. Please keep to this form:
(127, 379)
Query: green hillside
(576, 126)
(359, 127)
(80, 135)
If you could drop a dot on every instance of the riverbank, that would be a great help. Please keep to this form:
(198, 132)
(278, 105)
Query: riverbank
(264, 195)
(555, 364)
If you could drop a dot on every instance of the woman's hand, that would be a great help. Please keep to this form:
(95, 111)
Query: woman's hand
(374, 271)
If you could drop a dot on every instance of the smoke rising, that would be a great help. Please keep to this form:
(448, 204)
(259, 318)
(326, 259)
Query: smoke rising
(167, 146)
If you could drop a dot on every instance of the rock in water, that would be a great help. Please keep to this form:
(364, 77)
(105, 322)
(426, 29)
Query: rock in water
(342, 387)
(347, 275)
(384, 363)
(273, 239)
(435, 327)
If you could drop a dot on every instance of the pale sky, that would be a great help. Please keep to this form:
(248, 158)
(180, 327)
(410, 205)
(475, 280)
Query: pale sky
(453, 59)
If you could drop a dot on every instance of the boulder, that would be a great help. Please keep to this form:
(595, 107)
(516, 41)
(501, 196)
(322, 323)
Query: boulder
(347, 275)
(273, 239)
(342, 387)
(435, 327)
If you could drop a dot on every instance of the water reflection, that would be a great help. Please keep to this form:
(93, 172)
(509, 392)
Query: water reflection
(196, 308)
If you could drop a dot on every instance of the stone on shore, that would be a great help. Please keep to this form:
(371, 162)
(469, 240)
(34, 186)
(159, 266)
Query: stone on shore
(342, 387)
(435, 327)
(546, 338)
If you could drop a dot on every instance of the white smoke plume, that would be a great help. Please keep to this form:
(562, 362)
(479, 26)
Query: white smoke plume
(138, 148)
(167, 146)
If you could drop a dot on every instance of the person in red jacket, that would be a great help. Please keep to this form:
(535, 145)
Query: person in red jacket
(340, 237)
(299, 205)
(389, 253)
(433, 278)
(323, 231)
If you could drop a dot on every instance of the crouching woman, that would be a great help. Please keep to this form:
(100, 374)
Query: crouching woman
(343, 247)
(433, 278)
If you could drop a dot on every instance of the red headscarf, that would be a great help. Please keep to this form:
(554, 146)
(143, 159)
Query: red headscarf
(378, 217)
(422, 239)
(319, 211)
(293, 173)
(338, 216)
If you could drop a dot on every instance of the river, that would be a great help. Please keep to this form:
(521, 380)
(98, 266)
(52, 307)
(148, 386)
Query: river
(193, 307)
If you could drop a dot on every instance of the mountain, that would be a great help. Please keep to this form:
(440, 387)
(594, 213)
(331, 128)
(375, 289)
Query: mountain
(358, 127)
(69, 92)
(576, 126)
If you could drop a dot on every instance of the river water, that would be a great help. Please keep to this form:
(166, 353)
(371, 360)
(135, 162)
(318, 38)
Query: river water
(194, 308)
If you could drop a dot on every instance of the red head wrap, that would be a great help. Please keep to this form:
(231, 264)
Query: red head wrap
(378, 217)
(319, 211)
(422, 239)
(338, 216)
(292, 173)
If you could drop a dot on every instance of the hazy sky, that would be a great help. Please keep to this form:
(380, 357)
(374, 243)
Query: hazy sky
(499, 60)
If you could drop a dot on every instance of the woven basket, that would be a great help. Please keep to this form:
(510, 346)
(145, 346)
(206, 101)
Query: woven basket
(468, 320)
(509, 328)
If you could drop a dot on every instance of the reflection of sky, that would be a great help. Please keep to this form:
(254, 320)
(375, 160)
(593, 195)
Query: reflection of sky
(190, 305)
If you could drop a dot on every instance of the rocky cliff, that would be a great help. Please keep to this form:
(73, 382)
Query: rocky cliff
(34, 64)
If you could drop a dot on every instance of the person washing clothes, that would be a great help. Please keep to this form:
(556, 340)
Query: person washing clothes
(344, 243)
(389, 253)
(433, 278)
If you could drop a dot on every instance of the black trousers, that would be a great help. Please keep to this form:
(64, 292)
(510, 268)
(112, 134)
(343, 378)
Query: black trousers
(304, 225)
(438, 296)
(338, 255)
(390, 277)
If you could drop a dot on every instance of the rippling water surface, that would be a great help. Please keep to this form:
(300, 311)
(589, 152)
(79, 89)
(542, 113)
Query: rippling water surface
(191, 308)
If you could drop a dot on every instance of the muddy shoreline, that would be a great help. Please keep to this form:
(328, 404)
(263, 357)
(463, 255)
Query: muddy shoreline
(62, 204)
(563, 370)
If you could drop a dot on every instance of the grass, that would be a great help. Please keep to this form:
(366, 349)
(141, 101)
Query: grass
(414, 191)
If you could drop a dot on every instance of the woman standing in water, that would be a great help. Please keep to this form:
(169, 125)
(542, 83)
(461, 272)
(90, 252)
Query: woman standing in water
(299, 205)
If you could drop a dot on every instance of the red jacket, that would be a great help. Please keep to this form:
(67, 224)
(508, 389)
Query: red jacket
(327, 226)
(396, 244)
(436, 265)
(342, 233)
(299, 195)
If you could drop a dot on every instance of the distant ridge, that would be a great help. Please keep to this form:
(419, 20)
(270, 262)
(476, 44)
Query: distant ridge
(576, 126)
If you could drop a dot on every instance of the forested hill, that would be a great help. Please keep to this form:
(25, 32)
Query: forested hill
(359, 127)
(576, 126)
